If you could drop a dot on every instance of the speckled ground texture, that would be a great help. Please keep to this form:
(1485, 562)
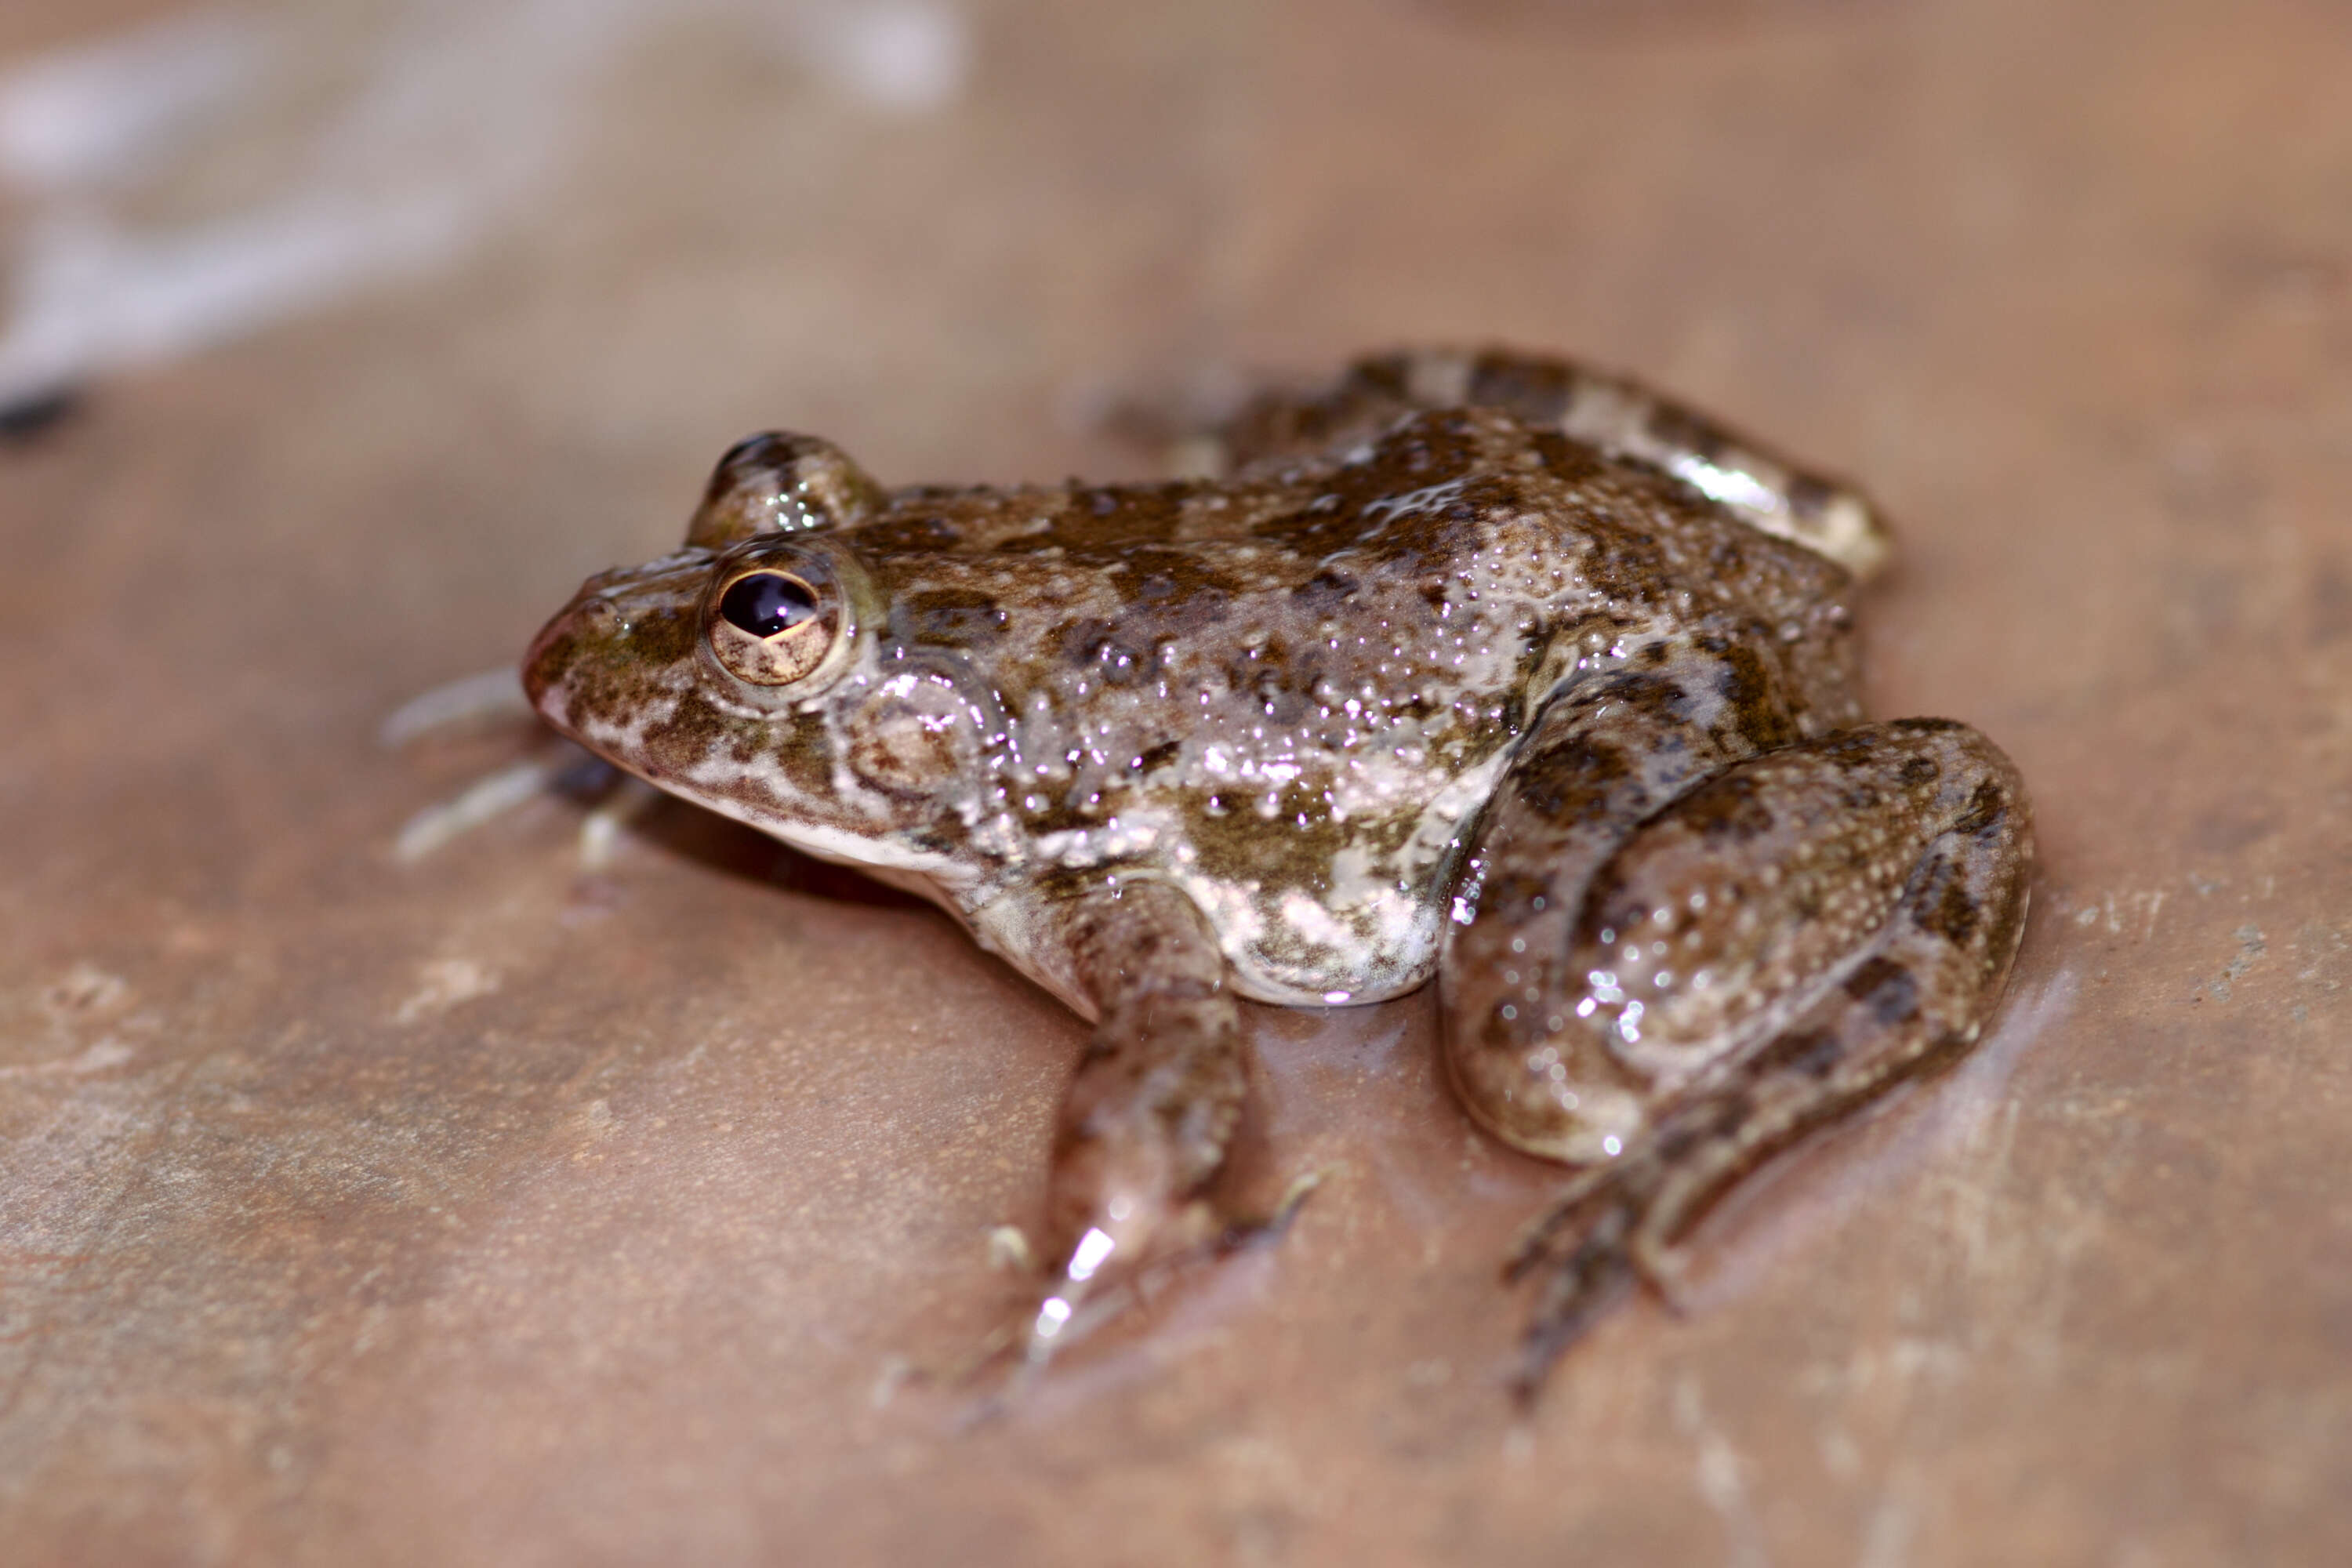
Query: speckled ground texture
(484, 1210)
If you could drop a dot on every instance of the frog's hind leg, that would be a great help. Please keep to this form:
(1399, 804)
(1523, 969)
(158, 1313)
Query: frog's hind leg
(1625, 418)
(1620, 415)
(1839, 1027)
(1613, 749)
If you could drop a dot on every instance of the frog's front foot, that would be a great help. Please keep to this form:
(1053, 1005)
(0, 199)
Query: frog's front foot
(1152, 1110)
(1088, 1290)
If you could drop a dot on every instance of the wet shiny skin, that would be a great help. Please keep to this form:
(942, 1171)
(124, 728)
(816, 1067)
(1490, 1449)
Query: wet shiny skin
(1478, 666)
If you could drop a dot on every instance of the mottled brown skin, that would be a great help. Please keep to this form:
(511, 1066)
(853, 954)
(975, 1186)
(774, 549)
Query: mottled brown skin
(1475, 666)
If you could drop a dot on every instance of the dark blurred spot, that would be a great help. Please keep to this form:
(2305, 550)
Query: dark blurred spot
(29, 418)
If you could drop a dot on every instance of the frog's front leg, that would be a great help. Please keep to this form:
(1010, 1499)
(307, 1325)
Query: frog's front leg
(1153, 1106)
(1778, 946)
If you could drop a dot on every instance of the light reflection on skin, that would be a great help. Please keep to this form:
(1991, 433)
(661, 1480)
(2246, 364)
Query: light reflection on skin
(1093, 1250)
(1727, 485)
(1050, 1318)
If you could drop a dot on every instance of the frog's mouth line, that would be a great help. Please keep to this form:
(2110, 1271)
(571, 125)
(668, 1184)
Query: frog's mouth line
(933, 877)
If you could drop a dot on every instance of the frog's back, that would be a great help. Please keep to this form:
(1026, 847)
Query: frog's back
(1290, 693)
(1444, 504)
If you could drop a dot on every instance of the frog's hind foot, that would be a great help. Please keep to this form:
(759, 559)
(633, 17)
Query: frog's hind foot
(1929, 808)
(1622, 1217)
(1539, 1239)
(1582, 1284)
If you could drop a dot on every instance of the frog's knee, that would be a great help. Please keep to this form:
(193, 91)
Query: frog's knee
(1545, 1096)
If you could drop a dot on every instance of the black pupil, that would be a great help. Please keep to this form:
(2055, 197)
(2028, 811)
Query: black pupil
(766, 604)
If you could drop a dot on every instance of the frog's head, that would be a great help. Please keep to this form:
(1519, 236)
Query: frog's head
(748, 672)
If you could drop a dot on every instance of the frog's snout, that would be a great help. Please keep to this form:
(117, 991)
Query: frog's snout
(591, 619)
(623, 626)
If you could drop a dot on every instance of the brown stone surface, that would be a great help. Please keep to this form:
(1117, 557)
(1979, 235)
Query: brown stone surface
(480, 1211)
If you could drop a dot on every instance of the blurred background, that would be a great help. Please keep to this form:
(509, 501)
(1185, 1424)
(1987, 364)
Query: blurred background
(483, 1209)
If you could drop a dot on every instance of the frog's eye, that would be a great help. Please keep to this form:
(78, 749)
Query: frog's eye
(772, 627)
(767, 602)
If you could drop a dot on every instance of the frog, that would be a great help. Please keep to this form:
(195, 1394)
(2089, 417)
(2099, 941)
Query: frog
(1470, 667)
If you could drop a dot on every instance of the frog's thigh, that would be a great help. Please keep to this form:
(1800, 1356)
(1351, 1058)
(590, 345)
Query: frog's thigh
(1836, 1023)
(1889, 858)
(1915, 993)
(1603, 756)
(1154, 1103)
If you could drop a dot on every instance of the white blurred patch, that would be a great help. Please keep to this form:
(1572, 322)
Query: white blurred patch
(88, 115)
(456, 112)
(444, 983)
(907, 57)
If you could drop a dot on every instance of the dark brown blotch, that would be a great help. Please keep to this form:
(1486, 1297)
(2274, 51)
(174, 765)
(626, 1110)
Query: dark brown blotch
(1659, 698)
(1808, 497)
(1988, 807)
(1749, 691)
(919, 534)
(1327, 590)
(1953, 913)
(1886, 988)
(1535, 390)
(950, 617)
(1730, 808)
(1566, 459)
(1574, 783)
(1810, 1052)
(1111, 518)
(1166, 589)
(1680, 428)
(1378, 376)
